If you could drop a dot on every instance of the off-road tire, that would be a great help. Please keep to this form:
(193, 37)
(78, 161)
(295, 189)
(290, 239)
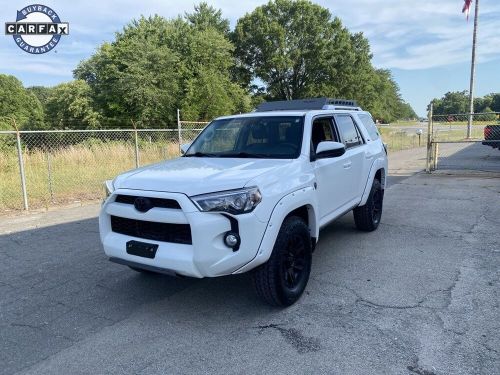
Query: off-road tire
(274, 280)
(367, 217)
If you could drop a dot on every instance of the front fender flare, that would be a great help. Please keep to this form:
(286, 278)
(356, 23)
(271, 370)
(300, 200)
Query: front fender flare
(305, 196)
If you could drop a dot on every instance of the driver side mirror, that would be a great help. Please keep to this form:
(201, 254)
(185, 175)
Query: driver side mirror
(329, 149)
(184, 148)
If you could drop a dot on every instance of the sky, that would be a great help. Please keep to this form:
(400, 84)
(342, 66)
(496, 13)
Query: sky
(426, 44)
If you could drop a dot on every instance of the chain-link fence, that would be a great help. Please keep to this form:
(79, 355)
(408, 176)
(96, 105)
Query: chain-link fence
(464, 142)
(44, 168)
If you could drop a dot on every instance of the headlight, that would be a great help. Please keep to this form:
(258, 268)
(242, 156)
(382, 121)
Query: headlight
(109, 188)
(232, 201)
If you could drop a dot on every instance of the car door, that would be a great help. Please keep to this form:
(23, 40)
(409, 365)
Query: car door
(373, 146)
(354, 157)
(331, 186)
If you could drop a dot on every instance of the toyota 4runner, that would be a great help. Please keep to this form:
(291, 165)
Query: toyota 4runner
(250, 193)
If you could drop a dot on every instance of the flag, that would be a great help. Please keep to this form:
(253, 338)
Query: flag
(466, 8)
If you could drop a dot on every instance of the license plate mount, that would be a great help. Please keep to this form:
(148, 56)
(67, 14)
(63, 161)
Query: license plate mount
(142, 249)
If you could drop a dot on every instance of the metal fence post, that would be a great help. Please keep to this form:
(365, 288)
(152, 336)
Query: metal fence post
(429, 140)
(179, 133)
(136, 142)
(435, 158)
(21, 167)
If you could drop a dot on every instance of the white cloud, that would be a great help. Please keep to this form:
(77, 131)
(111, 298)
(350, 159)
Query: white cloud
(417, 35)
(404, 34)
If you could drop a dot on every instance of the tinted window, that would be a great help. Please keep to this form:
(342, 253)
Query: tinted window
(245, 137)
(369, 125)
(322, 131)
(348, 131)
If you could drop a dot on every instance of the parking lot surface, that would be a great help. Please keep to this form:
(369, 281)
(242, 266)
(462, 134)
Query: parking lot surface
(418, 296)
(469, 156)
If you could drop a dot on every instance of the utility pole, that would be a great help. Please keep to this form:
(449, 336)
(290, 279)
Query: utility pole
(472, 72)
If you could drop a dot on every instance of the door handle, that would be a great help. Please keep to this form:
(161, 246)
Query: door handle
(368, 156)
(347, 165)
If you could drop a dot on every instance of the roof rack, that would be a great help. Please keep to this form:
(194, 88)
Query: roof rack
(308, 104)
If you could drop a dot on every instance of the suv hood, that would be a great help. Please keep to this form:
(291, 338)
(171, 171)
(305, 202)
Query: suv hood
(196, 175)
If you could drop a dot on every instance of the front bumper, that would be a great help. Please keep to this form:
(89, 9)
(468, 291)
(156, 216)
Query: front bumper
(206, 256)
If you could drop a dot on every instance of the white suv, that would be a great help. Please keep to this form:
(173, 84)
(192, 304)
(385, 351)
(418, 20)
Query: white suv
(250, 193)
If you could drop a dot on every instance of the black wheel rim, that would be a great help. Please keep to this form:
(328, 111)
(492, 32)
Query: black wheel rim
(377, 206)
(294, 263)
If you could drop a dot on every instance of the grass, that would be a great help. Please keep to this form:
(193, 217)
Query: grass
(71, 174)
(405, 123)
(401, 140)
(454, 134)
(397, 139)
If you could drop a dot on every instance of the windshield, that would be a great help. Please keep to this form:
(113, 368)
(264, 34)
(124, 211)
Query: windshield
(275, 137)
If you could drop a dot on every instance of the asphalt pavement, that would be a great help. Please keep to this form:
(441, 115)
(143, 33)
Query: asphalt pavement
(418, 296)
(468, 157)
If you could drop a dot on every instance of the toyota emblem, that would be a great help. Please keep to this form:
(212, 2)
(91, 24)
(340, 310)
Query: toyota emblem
(143, 204)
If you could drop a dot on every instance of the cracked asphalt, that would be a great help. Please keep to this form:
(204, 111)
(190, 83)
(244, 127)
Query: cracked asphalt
(418, 296)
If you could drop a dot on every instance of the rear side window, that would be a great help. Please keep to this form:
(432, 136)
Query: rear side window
(348, 131)
(369, 125)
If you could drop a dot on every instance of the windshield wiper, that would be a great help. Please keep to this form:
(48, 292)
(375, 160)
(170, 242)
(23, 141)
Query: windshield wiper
(243, 155)
(200, 155)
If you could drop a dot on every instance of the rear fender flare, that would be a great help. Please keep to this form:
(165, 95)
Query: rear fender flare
(379, 163)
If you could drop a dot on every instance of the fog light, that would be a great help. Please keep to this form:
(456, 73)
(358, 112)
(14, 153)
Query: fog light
(231, 239)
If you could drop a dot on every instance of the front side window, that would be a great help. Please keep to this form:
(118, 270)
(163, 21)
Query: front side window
(275, 137)
(322, 131)
(348, 131)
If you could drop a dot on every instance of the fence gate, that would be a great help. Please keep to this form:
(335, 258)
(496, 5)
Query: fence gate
(454, 145)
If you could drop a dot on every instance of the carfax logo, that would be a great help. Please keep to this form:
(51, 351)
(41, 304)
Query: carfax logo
(37, 29)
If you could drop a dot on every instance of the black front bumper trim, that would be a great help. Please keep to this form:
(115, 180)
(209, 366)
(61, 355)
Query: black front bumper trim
(146, 267)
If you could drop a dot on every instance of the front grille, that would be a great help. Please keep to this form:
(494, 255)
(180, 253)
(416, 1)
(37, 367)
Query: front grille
(164, 232)
(156, 202)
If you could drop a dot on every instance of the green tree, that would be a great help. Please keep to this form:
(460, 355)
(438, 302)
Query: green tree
(298, 50)
(209, 91)
(495, 101)
(290, 46)
(406, 112)
(156, 65)
(488, 116)
(20, 104)
(70, 106)
(207, 17)
(209, 95)
(41, 92)
(386, 105)
(486, 104)
(457, 102)
(452, 102)
(136, 76)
